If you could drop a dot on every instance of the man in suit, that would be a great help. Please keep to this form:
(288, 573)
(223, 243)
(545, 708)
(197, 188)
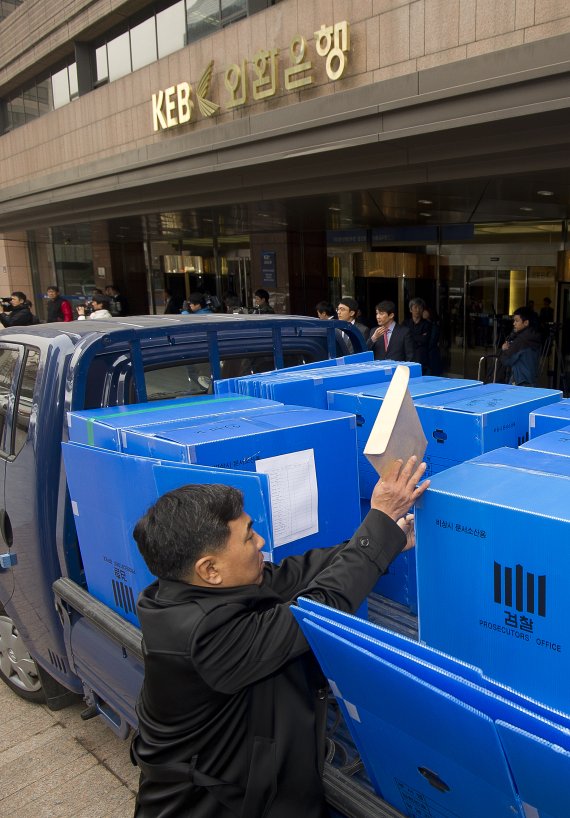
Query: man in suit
(390, 341)
(347, 310)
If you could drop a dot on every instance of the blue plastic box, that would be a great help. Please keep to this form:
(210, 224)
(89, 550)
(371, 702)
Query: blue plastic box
(470, 422)
(308, 387)
(365, 403)
(549, 418)
(555, 443)
(110, 491)
(248, 442)
(493, 563)
(102, 427)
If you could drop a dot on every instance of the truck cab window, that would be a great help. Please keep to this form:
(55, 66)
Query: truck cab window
(8, 362)
(25, 398)
(182, 380)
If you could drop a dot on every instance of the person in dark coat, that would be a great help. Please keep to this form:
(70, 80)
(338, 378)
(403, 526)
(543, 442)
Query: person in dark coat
(58, 309)
(520, 354)
(390, 341)
(421, 332)
(261, 305)
(232, 709)
(171, 304)
(20, 315)
(347, 310)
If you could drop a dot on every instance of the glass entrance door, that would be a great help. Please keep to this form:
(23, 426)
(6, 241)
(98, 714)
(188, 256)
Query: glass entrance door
(491, 297)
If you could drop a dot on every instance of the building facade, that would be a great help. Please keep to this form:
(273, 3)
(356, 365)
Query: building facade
(377, 148)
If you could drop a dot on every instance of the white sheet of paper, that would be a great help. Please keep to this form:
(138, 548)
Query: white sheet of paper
(294, 494)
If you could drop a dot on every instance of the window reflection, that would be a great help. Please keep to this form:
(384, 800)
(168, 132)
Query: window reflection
(31, 104)
(25, 399)
(8, 361)
(101, 66)
(60, 88)
(171, 29)
(143, 44)
(73, 85)
(119, 56)
(233, 10)
(203, 18)
(45, 100)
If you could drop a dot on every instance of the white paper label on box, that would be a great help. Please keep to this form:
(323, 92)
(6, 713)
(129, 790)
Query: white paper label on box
(294, 495)
(75, 508)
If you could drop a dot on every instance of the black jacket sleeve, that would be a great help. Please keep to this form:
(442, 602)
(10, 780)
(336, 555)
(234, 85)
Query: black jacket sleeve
(238, 644)
(408, 345)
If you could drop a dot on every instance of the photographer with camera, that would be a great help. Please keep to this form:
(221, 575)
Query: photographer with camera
(15, 311)
(99, 308)
(520, 354)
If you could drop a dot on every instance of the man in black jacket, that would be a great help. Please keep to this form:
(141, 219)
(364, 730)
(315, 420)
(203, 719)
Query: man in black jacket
(520, 354)
(232, 709)
(421, 332)
(20, 315)
(390, 341)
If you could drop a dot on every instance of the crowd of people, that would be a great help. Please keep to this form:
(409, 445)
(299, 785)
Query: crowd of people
(416, 338)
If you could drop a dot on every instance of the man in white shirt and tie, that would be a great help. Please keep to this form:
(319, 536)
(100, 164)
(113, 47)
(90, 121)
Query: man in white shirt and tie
(390, 341)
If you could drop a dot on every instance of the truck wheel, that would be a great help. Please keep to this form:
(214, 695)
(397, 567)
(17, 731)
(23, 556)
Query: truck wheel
(17, 668)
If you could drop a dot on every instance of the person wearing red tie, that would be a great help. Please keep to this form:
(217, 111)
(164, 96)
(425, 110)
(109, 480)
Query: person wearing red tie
(390, 341)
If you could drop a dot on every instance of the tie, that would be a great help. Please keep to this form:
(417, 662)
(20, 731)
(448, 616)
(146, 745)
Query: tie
(386, 340)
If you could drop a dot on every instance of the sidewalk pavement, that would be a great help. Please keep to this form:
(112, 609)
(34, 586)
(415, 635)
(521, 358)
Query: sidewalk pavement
(54, 765)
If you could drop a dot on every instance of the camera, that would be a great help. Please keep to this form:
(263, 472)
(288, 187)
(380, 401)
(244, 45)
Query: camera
(6, 303)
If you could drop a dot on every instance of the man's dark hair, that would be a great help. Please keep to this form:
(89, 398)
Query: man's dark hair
(386, 306)
(349, 302)
(197, 298)
(261, 293)
(525, 313)
(53, 287)
(185, 524)
(326, 307)
(100, 299)
(19, 294)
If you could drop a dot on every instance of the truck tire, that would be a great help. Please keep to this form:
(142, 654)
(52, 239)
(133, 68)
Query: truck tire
(17, 668)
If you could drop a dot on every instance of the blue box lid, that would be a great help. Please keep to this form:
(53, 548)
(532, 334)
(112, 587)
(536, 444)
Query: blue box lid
(491, 397)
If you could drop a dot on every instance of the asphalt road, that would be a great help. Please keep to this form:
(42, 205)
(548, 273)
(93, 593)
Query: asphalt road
(54, 765)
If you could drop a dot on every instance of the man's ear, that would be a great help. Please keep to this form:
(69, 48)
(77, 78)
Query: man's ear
(205, 570)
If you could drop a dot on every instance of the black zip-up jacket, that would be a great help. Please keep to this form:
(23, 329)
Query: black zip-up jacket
(19, 317)
(233, 707)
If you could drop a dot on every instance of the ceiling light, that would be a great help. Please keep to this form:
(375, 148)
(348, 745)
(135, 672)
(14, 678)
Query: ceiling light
(425, 201)
(423, 213)
(526, 209)
(334, 209)
(545, 192)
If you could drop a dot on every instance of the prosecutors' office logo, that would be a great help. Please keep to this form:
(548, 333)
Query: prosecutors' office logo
(520, 589)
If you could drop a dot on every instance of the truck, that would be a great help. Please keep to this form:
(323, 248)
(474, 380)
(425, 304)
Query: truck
(57, 641)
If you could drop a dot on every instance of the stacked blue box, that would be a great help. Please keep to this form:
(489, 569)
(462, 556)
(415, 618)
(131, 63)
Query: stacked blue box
(315, 503)
(309, 387)
(470, 422)
(492, 562)
(399, 583)
(549, 418)
(554, 443)
(365, 403)
(222, 387)
(106, 511)
(441, 735)
(103, 427)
